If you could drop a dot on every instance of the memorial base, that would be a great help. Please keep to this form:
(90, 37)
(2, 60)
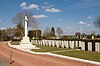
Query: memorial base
(26, 44)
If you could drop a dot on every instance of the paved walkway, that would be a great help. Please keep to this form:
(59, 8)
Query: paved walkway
(21, 58)
(2, 63)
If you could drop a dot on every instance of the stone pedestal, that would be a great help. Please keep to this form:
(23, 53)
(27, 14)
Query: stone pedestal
(26, 44)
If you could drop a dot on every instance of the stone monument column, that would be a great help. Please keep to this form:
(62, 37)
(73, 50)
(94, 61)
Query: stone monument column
(25, 42)
(26, 19)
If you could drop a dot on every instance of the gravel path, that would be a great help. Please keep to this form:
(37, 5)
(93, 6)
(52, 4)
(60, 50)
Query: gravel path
(21, 58)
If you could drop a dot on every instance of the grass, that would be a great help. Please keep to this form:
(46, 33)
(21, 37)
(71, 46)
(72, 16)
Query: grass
(94, 56)
(15, 43)
(47, 49)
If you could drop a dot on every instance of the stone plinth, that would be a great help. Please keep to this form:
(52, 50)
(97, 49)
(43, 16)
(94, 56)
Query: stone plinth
(26, 44)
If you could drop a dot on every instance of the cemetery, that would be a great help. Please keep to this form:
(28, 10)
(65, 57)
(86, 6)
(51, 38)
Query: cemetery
(83, 44)
(46, 33)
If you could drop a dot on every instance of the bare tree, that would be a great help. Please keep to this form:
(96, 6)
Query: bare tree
(19, 20)
(97, 22)
(59, 31)
(35, 26)
(46, 32)
(78, 34)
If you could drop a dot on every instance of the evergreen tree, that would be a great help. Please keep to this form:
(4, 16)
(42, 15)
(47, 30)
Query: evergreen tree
(52, 31)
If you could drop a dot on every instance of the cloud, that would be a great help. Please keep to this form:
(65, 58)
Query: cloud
(82, 23)
(23, 4)
(59, 20)
(34, 6)
(40, 16)
(88, 25)
(31, 6)
(45, 3)
(54, 10)
(43, 7)
(48, 6)
(90, 17)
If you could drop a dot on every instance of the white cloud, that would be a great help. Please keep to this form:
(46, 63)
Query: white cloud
(54, 10)
(43, 7)
(48, 7)
(88, 25)
(34, 6)
(31, 6)
(40, 16)
(90, 17)
(23, 4)
(81, 23)
(45, 3)
(59, 20)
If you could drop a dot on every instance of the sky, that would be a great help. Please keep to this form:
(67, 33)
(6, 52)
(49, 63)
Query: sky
(71, 15)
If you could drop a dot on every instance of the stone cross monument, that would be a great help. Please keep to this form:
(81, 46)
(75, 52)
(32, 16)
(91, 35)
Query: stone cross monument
(25, 42)
(26, 19)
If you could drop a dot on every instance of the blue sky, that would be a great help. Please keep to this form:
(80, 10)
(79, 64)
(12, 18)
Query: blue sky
(71, 15)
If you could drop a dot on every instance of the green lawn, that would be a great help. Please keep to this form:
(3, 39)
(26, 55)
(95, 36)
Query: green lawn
(66, 52)
(47, 49)
(94, 56)
(15, 43)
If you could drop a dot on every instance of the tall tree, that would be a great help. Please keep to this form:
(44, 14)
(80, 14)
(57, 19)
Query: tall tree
(0, 35)
(19, 20)
(32, 33)
(97, 22)
(78, 34)
(19, 31)
(46, 32)
(84, 35)
(59, 31)
(35, 26)
(52, 31)
(8, 33)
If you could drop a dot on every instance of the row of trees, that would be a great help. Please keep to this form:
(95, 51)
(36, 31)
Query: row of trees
(6, 34)
(18, 30)
(34, 34)
(51, 32)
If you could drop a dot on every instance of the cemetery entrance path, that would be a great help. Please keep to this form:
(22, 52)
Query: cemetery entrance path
(21, 58)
